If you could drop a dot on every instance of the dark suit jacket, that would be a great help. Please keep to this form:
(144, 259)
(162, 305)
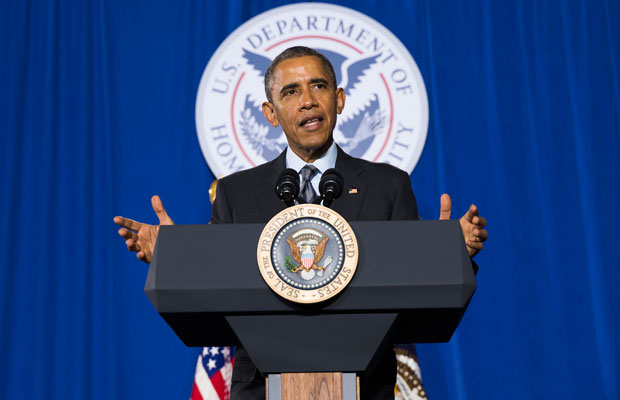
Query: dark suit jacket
(383, 193)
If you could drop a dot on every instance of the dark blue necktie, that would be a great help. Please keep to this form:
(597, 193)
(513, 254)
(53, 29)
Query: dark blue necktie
(307, 193)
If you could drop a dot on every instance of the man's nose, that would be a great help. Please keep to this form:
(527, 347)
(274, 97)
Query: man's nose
(307, 99)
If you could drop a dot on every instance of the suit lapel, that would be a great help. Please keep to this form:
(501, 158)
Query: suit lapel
(350, 202)
(264, 188)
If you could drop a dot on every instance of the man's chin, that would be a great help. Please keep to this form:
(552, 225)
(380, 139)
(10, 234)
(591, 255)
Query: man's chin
(317, 148)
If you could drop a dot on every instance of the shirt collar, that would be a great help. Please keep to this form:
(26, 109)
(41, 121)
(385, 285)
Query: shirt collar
(323, 163)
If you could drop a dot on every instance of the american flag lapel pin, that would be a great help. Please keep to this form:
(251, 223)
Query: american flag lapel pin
(353, 190)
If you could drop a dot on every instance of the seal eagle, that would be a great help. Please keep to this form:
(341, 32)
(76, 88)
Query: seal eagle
(308, 268)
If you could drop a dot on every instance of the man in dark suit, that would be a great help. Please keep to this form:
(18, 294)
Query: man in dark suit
(304, 100)
(372, 192)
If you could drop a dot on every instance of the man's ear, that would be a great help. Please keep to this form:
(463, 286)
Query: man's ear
(340, 99)
(270, 113)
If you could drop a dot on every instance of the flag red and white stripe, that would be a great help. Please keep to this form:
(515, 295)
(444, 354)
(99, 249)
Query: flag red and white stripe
(213, 374)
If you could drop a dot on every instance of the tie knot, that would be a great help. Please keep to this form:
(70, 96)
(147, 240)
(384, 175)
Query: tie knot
(307, 193)
(308, 171)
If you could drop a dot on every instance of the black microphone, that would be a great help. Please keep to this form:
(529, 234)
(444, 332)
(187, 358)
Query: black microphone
(330, 186)
(287, 187)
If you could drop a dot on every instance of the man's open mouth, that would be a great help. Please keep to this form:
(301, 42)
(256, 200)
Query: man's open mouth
(311, 122)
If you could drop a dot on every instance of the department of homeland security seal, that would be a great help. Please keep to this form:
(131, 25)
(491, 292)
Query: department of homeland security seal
(385, 118)
(307, 253)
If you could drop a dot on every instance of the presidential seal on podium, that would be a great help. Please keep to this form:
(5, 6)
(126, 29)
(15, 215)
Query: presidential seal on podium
(307, 253)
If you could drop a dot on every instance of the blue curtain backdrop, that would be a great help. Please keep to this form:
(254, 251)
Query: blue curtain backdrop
(97, 114)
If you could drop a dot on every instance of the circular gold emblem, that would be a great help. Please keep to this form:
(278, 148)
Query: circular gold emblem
(307, 253)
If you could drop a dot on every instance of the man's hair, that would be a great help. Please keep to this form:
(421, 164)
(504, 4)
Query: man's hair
(296, 52)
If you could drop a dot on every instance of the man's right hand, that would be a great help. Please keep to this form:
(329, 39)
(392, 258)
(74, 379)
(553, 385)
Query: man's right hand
(141, 237)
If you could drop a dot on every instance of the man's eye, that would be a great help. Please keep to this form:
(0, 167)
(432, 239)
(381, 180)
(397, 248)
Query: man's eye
(320, 86)
(289, 92)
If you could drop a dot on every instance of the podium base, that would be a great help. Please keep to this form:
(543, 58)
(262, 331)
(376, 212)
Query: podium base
(312, 386)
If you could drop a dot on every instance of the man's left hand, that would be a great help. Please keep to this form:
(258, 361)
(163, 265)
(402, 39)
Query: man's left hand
(471, 223)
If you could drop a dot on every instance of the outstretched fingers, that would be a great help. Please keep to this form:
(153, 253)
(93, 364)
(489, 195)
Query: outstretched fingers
(471, 213)
(159, 209)
(142, 256)
(140, 238)
(133, 245)
(128, 223)
(480, 222)
(473, 230)
(480, 235)
(445, 208)
(127, 234)
(131, 239)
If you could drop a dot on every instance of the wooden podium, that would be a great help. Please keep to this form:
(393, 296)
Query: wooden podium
(413, 283)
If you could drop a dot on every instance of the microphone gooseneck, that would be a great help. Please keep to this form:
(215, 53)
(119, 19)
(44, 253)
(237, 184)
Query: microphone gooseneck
(287, 187)
(331, 186)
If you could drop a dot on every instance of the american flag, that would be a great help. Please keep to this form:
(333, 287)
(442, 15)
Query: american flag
(213, 374)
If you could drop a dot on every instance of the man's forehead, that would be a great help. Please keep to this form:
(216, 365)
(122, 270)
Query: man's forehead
(300, 69)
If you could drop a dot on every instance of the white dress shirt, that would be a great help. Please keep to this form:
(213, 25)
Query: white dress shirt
(323, 163)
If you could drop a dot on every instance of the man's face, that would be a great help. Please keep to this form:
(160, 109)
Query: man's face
(305, 102)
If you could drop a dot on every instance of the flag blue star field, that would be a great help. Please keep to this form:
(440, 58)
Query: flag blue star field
(213, 374)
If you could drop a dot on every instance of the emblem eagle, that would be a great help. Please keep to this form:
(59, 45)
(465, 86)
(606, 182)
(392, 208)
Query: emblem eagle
(307, 257)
